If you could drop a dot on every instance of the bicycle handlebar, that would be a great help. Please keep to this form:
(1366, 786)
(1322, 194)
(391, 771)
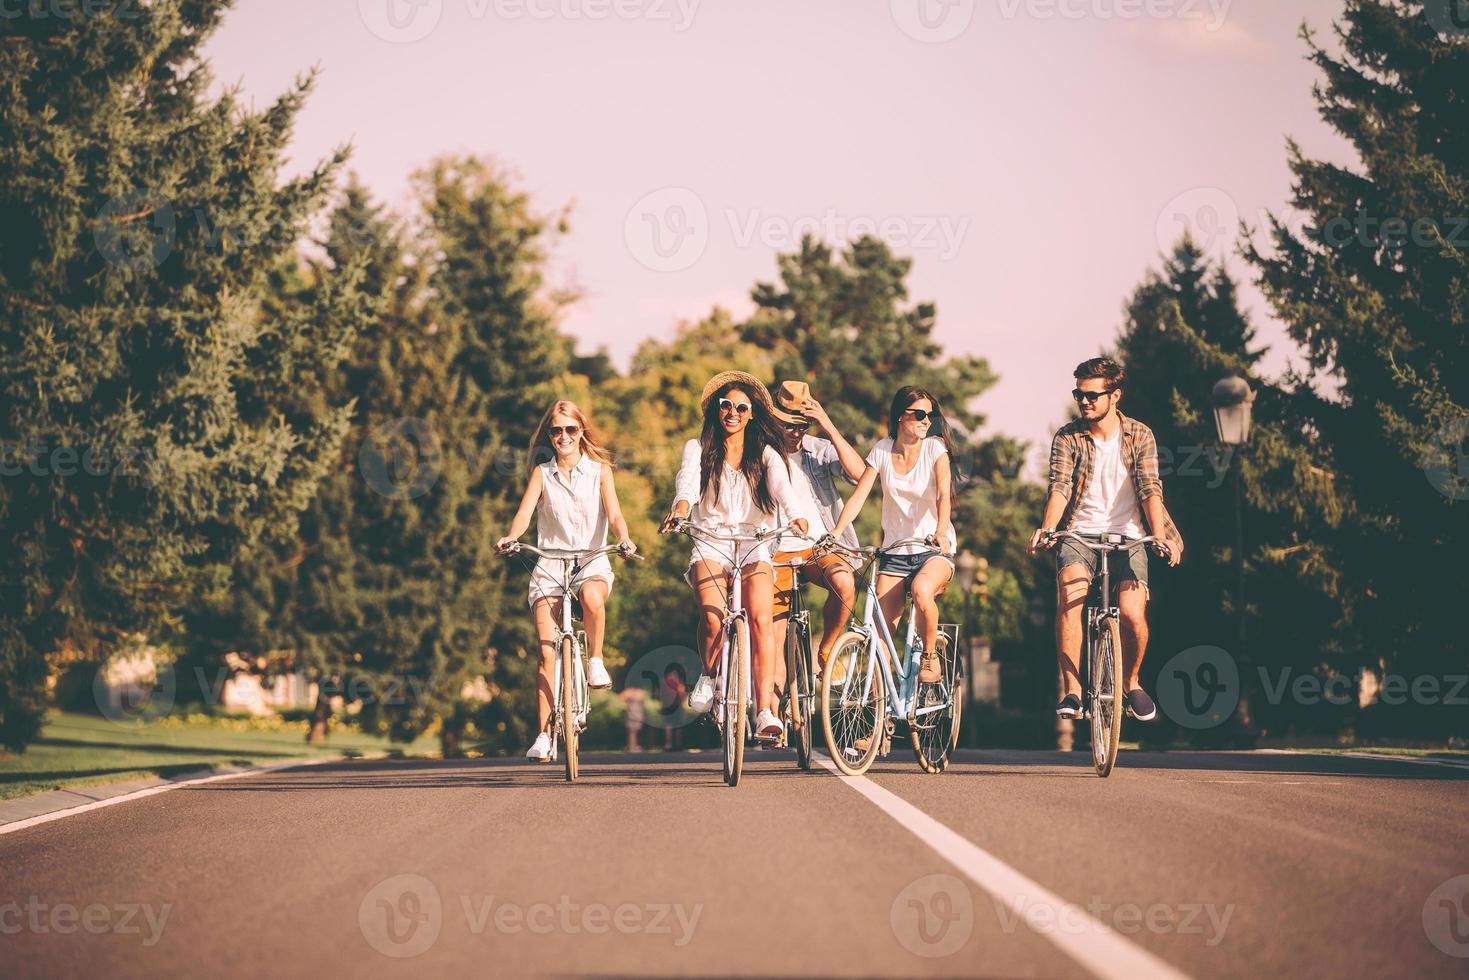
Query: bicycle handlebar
(685, 526)
(582, 556)
(1104, 547)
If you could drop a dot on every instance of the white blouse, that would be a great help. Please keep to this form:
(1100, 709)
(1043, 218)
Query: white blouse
(735, 508)
(910, 501)
(570, 515)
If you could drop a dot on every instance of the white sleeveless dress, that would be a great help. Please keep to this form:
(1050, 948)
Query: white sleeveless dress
(570, 517)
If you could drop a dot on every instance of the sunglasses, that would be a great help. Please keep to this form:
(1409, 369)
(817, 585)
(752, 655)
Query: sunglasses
(801, 427)
(725, 405)
(921, 414)
(571, 430)
(1090, 397)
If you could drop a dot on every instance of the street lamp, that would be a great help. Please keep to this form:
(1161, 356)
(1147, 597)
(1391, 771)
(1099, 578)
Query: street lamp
(1234, 402)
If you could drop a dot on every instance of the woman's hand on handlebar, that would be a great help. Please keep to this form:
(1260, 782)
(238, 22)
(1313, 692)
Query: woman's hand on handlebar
(506, 545)
(627, 549)
(1041, 540)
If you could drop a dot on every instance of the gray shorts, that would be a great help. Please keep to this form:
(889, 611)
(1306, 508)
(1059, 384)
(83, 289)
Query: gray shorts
(1124, 566)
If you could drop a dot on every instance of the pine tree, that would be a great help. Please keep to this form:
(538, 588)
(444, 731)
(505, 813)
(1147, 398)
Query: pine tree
(143, 377)
(1375, 287)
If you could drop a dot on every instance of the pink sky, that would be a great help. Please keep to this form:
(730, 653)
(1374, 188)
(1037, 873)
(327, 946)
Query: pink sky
(1032, 156)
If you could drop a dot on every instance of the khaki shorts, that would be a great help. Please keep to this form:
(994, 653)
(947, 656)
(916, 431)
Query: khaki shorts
(786, 563)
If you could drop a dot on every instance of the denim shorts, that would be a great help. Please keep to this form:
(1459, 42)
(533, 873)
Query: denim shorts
(1123, 566)
(908, 566)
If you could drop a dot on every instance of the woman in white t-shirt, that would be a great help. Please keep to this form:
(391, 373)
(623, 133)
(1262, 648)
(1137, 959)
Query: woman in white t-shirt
(917, 501)
(731, 482)
(574, 502)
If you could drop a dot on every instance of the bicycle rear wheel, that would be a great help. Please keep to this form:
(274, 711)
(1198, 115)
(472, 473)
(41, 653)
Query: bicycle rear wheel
(570, 737)
(800, 698)
(935, 734)
(1106, 696)
(736, 705)
(853, 703)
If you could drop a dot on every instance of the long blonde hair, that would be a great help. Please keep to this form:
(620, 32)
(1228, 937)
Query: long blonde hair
(590, 444)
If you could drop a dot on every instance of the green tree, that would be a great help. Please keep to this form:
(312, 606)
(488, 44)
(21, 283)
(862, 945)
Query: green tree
(1375, 287)
(143, 376)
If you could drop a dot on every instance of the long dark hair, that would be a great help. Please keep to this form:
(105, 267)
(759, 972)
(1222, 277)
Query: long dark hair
(761, 431)
(905, 397)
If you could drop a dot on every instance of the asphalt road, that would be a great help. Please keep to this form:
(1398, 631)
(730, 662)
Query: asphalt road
(1010, 864)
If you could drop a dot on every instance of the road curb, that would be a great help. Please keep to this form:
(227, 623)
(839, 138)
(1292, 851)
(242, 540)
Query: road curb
(45, 807)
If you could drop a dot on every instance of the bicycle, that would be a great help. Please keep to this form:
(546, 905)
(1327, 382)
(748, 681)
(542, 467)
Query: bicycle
(866, 688)
(1101, 663)
(571, 701)
(733, 683)
(798, 701)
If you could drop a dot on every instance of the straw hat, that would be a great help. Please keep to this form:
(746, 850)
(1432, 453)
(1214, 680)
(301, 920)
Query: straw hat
(753, 385)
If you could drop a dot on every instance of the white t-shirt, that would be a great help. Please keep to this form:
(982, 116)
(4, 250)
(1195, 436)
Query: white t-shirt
(570, 515)
(910, 501)
(735, 507)
(1109, 504)
(803, 495)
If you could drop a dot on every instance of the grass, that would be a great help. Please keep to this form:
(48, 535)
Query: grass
(83, 750)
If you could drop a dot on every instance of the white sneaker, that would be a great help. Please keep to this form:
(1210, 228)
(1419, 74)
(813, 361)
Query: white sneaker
(702, 699)
(597, 675)
(767, 725)
(541, 751)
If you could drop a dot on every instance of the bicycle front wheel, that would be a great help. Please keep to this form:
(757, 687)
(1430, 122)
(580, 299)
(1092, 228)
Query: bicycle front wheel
(801, 699)
(853, 705)
(737, 702)
(1106, 696)
(934, 730)
(570, 737)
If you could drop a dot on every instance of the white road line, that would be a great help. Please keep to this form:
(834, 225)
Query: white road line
(12, 827)
(1098, 947)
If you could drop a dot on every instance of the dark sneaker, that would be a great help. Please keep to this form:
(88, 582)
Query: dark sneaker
(1070, 707)
(1140, 706)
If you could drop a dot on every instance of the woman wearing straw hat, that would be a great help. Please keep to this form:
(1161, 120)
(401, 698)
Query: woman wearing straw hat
(732, 479)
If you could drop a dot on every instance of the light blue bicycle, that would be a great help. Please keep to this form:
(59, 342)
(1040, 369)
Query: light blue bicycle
(866, 688)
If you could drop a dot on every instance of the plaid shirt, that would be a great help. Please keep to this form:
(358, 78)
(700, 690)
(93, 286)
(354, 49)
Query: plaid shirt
(1073, 455)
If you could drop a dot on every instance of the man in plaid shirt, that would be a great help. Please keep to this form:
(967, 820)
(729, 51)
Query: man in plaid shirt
(1104, 480)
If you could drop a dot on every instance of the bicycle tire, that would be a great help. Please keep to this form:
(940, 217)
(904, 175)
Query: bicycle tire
(937, 734)
(1106, 695)
(846, 722)
(736, 707)
(570, 737)
(799, 691)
